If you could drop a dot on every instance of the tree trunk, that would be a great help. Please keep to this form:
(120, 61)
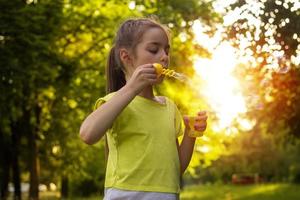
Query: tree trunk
(34, 159)
(15, 127)
(64, 187)
(5, 165)
(34, 169)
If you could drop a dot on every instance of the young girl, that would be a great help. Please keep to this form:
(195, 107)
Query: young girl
(145, 160)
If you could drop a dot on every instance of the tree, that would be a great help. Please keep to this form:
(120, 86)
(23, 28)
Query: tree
(26, 57)
(273, 43)
(53, 57)
(267, 34)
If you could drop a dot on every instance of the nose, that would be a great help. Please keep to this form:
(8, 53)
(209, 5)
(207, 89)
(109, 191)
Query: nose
(164, 59)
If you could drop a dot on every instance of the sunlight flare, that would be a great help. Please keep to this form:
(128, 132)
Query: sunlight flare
(220, 88)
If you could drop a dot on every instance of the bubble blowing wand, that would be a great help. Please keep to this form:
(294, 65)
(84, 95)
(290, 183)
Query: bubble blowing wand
(160, 70)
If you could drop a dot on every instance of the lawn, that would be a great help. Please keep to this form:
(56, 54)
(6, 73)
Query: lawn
(221, 192)
(55, 196)
(251, 192)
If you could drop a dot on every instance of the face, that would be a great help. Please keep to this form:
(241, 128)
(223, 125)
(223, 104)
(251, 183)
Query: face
(153, 48)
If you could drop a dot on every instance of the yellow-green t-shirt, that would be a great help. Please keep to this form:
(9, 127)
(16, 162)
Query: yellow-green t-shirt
(143, 155)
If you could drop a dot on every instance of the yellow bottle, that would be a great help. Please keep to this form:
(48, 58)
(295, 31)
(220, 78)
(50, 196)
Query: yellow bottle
(193, 132)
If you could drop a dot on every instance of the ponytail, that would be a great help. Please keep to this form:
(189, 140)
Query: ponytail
(114, 73)
(128, 36)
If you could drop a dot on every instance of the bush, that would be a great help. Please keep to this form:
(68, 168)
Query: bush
(87, 188)
(294, 173)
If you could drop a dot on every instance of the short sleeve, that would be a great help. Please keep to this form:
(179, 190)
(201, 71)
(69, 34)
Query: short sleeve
(179, 127)
(102, 100)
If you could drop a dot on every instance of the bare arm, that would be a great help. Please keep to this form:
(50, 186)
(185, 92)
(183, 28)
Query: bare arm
(95, 125)
(185, 151)
(186, 148)
(98, 122)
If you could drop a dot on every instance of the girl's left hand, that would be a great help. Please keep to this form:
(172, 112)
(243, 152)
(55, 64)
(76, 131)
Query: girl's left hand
(200, 122)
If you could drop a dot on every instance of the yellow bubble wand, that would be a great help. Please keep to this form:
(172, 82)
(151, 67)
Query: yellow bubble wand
(160, 70)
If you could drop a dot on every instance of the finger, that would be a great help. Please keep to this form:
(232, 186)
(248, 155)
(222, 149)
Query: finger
(201, 118)
(202, 113)
(146, 76)
(153, 80)
(199, 127)
(148, 71)
(201, 123)
(148, 66)
(151, 77)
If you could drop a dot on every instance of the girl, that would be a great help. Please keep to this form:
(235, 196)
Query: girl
(145, 159)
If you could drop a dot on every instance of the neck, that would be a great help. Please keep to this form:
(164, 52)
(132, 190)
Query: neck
(147, 92)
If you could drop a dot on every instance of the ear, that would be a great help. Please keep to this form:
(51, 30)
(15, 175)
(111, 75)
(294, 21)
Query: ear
(124, 56)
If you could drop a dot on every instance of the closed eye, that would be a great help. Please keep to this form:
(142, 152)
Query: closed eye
(156, 47)
(153, 51)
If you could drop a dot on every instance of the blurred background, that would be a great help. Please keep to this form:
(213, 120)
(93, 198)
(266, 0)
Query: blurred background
(241, 56)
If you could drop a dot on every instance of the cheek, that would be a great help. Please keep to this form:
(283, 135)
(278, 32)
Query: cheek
(146, 57)
(152, 56)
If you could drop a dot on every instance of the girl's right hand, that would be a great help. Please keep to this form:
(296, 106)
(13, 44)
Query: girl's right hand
(144, 75)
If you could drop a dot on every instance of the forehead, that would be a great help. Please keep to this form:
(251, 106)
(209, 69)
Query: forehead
(155, 35)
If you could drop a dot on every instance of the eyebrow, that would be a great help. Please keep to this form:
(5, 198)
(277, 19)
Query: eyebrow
(158, 44)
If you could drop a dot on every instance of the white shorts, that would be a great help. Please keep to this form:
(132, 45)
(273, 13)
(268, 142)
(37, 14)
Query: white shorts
(117, 194)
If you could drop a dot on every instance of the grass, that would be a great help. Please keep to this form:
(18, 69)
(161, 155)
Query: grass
(55, 196)
(219, 192)
(250, 192)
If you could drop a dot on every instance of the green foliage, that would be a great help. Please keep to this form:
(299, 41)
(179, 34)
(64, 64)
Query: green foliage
(228, 192)
(274, 74)
(270, 80)
(256, 152)
(53, 56)
(89, 179)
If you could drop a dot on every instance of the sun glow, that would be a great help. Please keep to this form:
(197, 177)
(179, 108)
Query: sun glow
(220, 88)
